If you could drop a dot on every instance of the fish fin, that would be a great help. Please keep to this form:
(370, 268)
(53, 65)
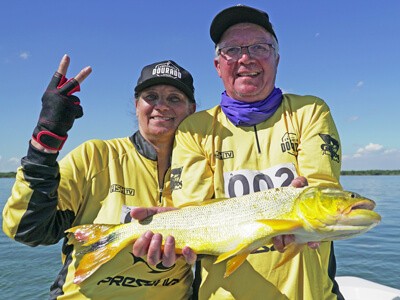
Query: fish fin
(89, 234)
(285, 227)
(291, 251)
(281, 226)
(95, 245)
(231, 253)
(234, 263)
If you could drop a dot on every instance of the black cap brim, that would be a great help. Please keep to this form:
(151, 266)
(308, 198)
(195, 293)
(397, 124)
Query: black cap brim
(166, 72)
(238, 14)
(165, 80)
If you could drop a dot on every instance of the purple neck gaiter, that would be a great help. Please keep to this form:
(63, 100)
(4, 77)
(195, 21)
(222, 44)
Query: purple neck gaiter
(250, 113)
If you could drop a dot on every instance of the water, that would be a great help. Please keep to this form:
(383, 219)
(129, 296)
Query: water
(375, 255)
(27, 273)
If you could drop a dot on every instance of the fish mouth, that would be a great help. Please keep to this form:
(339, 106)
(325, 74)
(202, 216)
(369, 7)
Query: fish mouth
(361, 213)
(364, 205)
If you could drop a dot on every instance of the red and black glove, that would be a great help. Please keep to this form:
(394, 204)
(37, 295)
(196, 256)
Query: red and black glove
(59, 111)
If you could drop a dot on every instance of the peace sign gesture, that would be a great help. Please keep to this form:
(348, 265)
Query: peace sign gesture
(59, 108)
(68, 87)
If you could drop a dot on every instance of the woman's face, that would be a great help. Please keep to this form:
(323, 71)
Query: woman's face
(160, 109)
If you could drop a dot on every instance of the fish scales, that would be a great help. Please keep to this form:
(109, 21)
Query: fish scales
(233, 220)
(233, 228)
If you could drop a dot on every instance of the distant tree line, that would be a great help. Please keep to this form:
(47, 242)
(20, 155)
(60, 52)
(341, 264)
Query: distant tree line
(349, 173)
(371, 172)
(7, 174)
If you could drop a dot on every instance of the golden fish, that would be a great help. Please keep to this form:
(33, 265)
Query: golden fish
(233, 228)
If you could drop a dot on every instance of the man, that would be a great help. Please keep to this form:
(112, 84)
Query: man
(256, 139)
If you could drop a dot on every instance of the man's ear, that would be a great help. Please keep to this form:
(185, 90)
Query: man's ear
(277, 61)
(217, 66)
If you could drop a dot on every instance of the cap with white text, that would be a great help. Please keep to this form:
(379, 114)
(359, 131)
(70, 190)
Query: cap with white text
(166, 72)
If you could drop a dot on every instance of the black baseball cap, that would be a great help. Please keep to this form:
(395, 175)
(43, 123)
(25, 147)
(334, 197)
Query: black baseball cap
(239, 14)
(166, 72)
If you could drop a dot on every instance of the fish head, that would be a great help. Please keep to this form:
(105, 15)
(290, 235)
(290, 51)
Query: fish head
(336, 214)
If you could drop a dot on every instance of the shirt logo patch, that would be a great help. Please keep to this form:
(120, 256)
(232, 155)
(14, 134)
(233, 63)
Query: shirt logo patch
(289, 143)
(224, 154)
(159, 268)
(331, 147)
(176, 181)
(116, 188)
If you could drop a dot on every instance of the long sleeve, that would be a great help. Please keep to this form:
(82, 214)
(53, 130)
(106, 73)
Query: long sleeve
(30, 215)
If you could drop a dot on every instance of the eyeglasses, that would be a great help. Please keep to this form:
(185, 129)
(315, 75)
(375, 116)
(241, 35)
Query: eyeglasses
(233, 53)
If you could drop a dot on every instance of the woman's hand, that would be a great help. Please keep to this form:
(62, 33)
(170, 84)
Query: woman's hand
(59, 109)
(150, 243)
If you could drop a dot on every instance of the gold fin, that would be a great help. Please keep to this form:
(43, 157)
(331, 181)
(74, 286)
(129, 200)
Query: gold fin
(234, 263)
(282, 226)
(291, 251)
(231, 253)
(285, 227)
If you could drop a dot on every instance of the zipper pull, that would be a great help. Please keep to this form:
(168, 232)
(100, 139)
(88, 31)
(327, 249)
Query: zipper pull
(160, 190)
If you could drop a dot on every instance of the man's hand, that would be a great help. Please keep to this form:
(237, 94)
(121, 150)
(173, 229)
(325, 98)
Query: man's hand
(150, 243)
(281, 241)
(59, 109)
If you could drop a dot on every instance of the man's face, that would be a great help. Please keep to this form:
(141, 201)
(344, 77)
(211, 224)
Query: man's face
(247, 79)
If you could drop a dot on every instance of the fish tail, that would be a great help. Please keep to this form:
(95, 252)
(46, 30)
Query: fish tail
(87, 235)
(95, 245)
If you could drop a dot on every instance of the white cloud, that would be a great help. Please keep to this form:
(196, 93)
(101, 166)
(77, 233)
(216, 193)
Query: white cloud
(373, 147)
(368, 149)
(360, 84)
(10, 164)
(24, 55)
(372, 156)
(353, 118)
(14, 160)
(391, 151)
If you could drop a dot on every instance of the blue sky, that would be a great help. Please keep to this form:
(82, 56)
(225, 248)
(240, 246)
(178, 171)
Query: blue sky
(344, 51)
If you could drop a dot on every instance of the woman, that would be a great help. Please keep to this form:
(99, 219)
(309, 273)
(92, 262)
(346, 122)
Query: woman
(100, 181)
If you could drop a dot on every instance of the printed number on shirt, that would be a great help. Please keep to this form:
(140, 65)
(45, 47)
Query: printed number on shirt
(243, 182)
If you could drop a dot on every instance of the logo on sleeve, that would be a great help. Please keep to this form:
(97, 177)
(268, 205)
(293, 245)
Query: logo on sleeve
(176, 181)
(290, 143)
(330, 147)
(116, 188)
(224, 154)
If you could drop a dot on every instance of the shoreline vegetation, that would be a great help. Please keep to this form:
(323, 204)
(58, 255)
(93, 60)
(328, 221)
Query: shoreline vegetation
(344, 173)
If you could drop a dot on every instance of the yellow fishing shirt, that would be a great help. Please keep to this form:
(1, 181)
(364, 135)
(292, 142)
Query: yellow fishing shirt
(212, 158)
(98, 182)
